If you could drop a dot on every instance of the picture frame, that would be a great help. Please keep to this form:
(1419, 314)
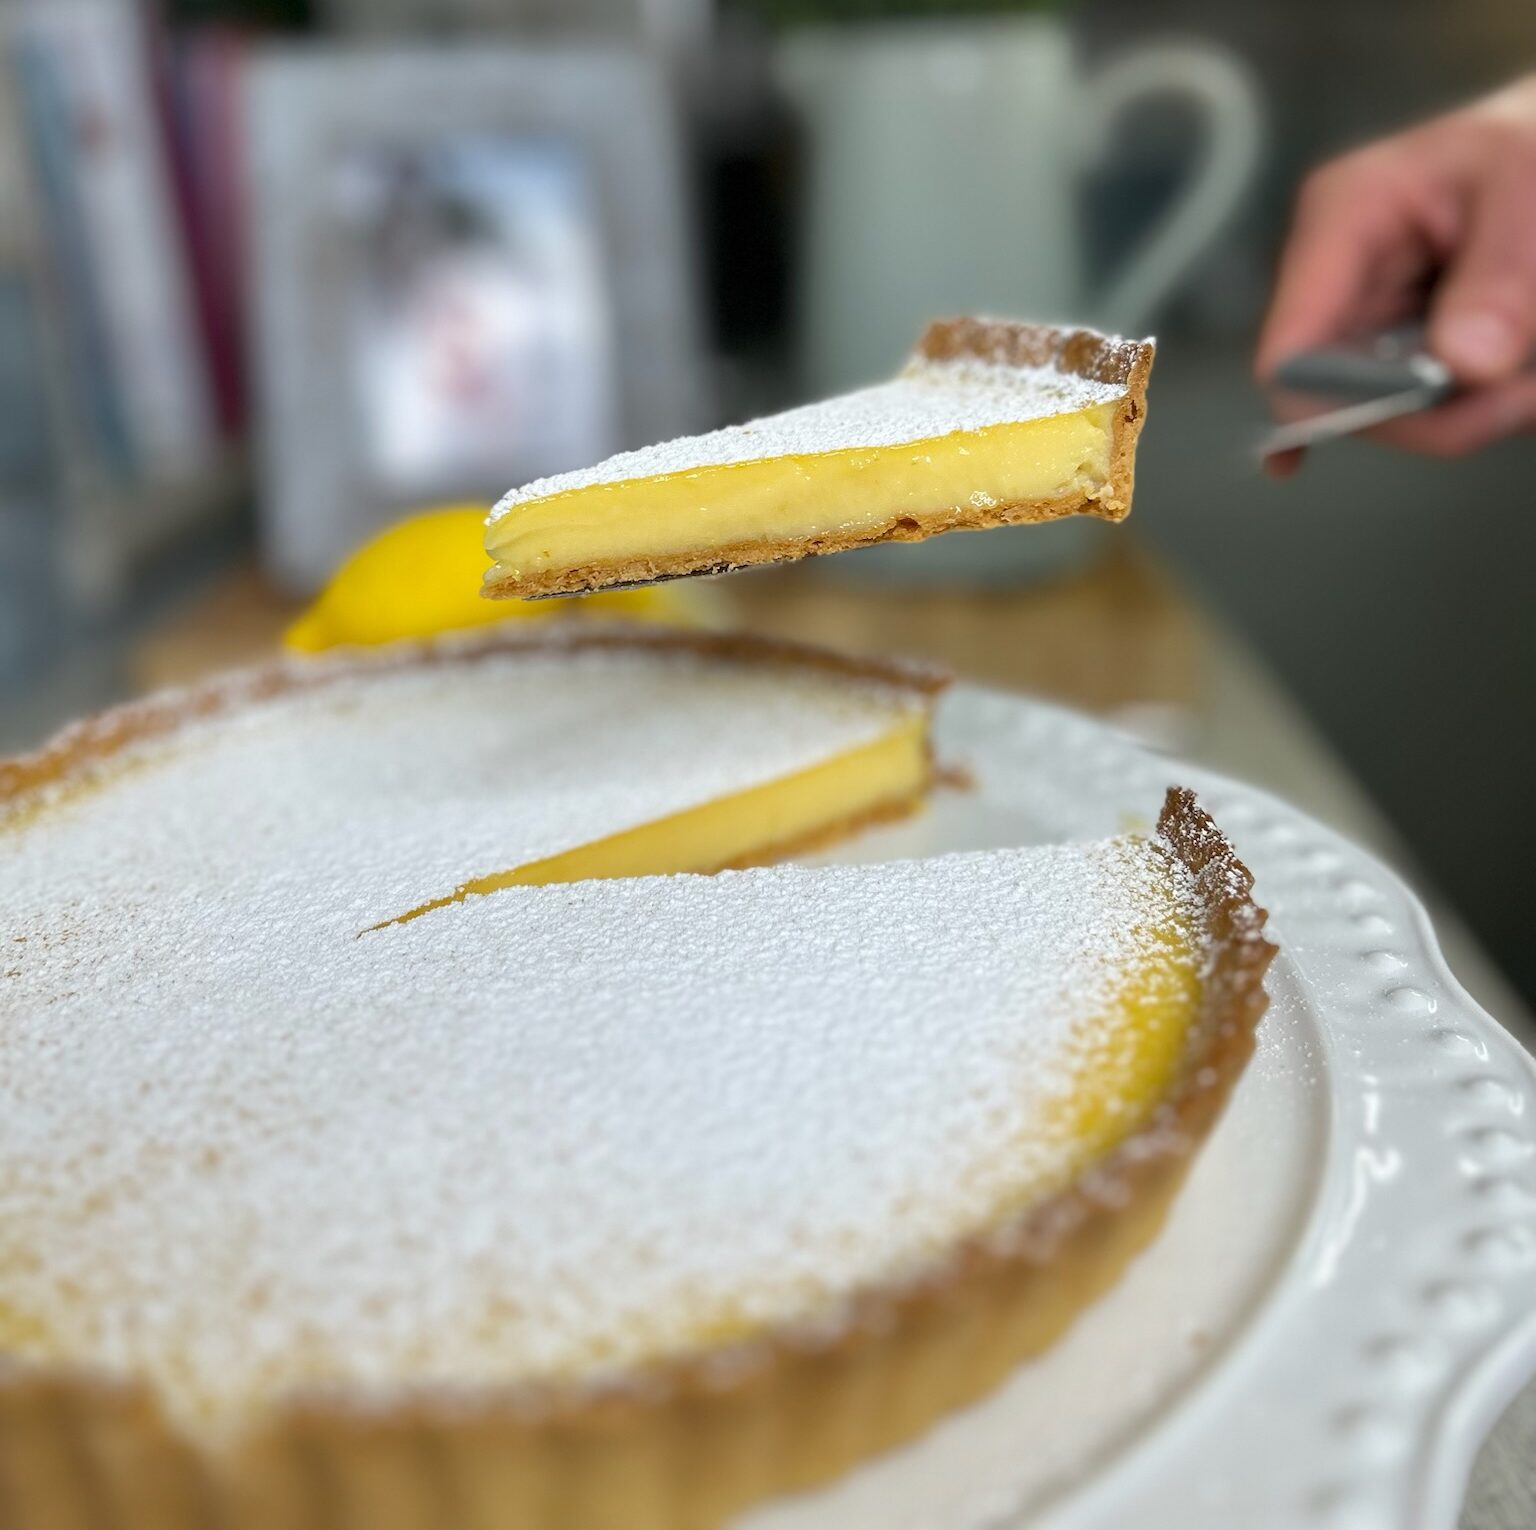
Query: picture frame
(470, 267)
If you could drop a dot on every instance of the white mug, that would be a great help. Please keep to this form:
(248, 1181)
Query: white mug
(944, 166)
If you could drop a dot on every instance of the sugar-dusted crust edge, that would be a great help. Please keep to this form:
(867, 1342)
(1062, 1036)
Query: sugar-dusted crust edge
(680, 1446)
(80, 750)
(1079, 352)
(1083, 353)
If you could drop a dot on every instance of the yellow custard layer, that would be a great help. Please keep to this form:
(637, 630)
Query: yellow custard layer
(798, 498)
(1128, 1061)
(1119, 1066)
(888, 775)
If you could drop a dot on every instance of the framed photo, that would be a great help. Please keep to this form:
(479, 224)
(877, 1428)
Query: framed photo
(478, 337)
(470, 270)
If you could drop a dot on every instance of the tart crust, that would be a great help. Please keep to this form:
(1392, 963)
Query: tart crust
(680, 1445)
(1079, 352)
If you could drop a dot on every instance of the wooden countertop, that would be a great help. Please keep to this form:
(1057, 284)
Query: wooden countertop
(1114, 635)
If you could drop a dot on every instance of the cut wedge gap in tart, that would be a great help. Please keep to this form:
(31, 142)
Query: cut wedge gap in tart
(876, 782)
(992, 423)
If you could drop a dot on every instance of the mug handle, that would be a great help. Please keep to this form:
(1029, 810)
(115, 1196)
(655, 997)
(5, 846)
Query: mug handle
(1222, 89)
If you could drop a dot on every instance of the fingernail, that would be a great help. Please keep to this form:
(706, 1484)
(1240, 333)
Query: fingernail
(1480, 342)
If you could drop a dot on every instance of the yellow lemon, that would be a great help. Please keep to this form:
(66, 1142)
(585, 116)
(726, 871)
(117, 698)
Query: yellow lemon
(422, 576)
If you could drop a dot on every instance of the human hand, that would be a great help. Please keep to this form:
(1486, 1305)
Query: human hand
(1443, 217)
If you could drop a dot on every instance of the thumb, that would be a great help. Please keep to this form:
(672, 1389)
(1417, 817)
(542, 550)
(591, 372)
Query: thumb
(1483, 318)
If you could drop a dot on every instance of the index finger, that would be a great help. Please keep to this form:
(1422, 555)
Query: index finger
(1348, 227)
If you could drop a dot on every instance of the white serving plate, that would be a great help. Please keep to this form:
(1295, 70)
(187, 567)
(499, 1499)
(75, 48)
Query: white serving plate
(1345, 1295)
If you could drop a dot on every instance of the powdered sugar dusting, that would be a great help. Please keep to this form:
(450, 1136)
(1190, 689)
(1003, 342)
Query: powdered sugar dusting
(544, 1134)
(929, 399)
(377, 794)
(545, 1131)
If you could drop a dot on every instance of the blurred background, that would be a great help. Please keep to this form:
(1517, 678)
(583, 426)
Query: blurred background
(273, 274)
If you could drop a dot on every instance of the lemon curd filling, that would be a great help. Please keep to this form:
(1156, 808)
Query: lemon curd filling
(1127, 1061)
(1118, 1065)
(799, 497)
(887, 776)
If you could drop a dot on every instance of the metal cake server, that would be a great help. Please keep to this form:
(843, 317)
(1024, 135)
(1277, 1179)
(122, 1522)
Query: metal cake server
(1341, 389)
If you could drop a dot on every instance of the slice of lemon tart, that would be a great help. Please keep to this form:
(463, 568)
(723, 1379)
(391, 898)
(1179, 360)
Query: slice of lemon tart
(578, 1206)
(990, 424)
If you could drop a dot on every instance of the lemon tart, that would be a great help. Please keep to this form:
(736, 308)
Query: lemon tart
(991, 423)
(613, 1203)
